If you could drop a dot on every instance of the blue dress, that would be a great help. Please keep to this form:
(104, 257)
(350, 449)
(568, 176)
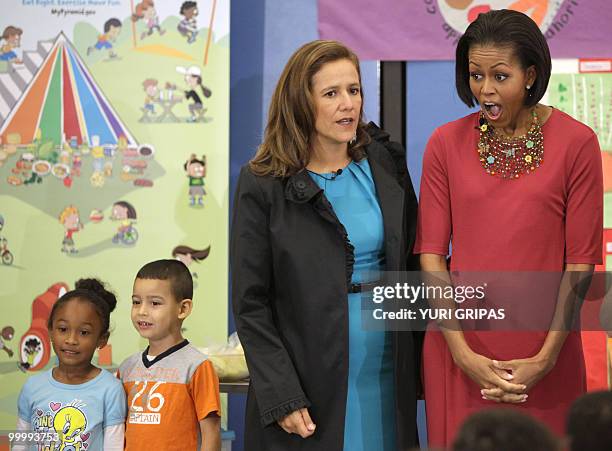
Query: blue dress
(370, 406)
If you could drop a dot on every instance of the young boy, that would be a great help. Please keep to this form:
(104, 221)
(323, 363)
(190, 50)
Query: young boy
(112, 28)
(172, 389)
(12, 40)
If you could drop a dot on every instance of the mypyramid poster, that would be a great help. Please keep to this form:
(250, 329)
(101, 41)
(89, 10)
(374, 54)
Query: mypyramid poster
(114, 131)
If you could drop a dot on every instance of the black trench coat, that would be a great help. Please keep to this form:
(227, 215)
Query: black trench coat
(291, 263)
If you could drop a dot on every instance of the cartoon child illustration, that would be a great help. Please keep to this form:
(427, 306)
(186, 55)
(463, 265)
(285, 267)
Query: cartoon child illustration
(112, 29)
(196, 171)
(7, 334)
(12, 40)
(145, 10)
(71, 221)
(1, 225)
(193, 78)
(5, 254)
(69, 422)
(126, 213)
(188, 255)
(31, 348)
(151, 94)
(188, 26)
(77, 163)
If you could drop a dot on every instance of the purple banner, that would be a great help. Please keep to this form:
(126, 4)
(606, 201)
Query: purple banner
(429, 29)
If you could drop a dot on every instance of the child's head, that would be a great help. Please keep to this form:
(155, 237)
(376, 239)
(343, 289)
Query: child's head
(496, 429)
(589, 423)
(123, 210)
(195, 167)
(187, 254)
(189, 9)
(69, 217)
(8, 332)
(12, 35)
(150, 86)
(161, 298)
(112, 27)
(143, 10)
(79, 321)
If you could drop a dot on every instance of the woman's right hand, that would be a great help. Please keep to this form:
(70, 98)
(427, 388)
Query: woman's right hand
(298, 422)
(482, 371)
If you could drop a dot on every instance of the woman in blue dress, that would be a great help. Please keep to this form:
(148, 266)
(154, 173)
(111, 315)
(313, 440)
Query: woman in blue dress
(322, 209)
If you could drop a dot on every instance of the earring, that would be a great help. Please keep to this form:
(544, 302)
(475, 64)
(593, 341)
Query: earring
(528, 87)
(353, 139)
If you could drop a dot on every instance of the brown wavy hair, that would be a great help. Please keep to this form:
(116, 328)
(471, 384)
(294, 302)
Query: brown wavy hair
(287, 142)
(196, 254)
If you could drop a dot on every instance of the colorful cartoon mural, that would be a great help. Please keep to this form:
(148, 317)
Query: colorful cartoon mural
(96, 125)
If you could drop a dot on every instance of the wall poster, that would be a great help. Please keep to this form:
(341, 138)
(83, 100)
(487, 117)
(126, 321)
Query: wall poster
(582, 88)
(114, 151)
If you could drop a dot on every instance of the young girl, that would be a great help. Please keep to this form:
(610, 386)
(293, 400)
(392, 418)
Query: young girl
(75, 405)
(188, 26)
(188, 255)
(145, 10)
(126, 213)
(193, 79)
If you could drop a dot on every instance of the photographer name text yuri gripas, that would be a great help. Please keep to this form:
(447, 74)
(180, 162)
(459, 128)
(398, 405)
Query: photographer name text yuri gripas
(412, 293)
(440, 314)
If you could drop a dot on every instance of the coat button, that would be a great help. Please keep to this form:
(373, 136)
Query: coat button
(301, 184)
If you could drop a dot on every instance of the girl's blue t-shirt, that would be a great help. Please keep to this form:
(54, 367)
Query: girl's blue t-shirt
(78, 413)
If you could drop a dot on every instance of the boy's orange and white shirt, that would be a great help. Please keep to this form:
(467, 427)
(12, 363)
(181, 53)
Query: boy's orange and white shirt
(167, 397)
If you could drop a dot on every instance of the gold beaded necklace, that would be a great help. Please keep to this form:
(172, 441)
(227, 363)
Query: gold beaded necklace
(509, 158)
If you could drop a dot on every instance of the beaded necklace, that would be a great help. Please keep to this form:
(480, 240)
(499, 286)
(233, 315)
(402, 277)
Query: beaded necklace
(509, 158)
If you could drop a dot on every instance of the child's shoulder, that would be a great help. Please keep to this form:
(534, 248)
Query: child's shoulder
(36, 380)
(193, 357)
(108, 378)
(130, 362)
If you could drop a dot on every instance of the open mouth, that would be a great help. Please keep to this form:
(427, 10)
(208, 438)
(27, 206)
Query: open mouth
(144, 324)
(345, 121)
(492, 110)
(69, 352)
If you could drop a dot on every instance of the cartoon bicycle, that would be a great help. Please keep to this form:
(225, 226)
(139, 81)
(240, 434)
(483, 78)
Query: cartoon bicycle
(5, 254)
(127, 235)
(125, 213)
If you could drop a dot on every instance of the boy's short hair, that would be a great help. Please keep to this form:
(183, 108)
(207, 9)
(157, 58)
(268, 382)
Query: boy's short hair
(589, 423)
(11, 31)
(503, 429)
(113, 22)
(174, 271)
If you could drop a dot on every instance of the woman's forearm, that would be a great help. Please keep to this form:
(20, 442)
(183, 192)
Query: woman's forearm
(435, 272)
(572, 291)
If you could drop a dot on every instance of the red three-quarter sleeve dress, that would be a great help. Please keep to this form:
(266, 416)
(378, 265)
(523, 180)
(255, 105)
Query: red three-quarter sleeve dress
(538, 222)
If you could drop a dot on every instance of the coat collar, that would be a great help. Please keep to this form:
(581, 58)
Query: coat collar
(300, 188)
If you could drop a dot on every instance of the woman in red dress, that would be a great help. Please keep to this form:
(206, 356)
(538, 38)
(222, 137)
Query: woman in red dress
(515, 187)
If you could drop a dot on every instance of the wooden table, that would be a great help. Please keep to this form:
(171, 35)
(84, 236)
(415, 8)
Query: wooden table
(234, 387)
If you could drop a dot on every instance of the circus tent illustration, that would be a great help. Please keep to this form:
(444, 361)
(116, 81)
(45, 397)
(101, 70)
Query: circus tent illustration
(64, 103)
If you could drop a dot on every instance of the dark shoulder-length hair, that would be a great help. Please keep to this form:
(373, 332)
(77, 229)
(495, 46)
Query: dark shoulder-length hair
(504, 28)
(287, 142)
